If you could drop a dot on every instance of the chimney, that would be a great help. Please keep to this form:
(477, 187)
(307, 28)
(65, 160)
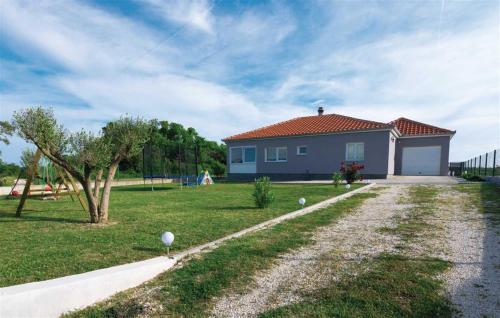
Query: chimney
(320, 110)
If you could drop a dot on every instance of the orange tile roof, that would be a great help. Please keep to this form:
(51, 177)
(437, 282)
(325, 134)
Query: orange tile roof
(311, 125)
(408, 127)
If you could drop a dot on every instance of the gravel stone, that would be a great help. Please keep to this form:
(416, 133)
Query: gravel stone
(473, 245)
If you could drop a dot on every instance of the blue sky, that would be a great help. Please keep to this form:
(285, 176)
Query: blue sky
(224, 67)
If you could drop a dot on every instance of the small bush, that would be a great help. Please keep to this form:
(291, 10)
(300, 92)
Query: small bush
(337, 179)
(7, 181)
(472, 177)
(350, 171)
(262, 193)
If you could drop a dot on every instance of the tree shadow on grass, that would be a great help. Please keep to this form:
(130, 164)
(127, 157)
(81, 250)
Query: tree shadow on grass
(235, 208)
(142, 189)
(10, 217)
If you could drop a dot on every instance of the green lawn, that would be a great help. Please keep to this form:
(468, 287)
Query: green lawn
(188, 291)
(53, 238)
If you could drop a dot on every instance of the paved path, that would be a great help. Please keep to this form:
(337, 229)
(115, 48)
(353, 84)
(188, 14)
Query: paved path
(396, 180)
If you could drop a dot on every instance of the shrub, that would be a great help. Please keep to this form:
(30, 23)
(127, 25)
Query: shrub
(7, 181)
(350, 171)
(472, 177)
(337, 179)
(262, 193)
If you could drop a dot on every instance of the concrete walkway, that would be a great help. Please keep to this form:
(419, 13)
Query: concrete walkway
(393, 180)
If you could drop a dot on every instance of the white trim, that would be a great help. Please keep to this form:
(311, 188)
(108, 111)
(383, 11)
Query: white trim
(354, 143)
(427, 136)
(277, 157)
(242, 155)
(302, 154)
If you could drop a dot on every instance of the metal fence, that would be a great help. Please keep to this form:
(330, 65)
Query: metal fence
(487, 164)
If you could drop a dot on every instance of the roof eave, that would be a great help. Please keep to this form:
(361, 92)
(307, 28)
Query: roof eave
(316, 134)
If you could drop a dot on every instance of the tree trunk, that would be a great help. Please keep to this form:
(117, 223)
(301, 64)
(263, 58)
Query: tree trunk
(97, 184)
(31, 174)
(92, 203)
(106, 192)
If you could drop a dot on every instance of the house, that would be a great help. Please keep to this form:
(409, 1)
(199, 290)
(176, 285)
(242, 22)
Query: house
(313, 147)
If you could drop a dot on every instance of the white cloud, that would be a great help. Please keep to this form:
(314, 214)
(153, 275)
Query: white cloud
(194, 13)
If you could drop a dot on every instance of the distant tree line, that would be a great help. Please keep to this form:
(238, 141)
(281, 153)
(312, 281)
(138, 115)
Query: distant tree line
(175, 150)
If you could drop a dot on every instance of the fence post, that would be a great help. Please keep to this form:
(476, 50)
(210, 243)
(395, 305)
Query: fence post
(494, 161)
(480, 158)
(486, 165)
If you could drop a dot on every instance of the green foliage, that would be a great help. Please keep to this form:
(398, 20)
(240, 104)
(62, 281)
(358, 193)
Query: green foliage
(9, 169)
(350, 171)
(337, 179)
(126, 136)
(39, 126)
(7, 181)
(262, 193)
(472, 177)
(170, 143)
(90, 150)
(6, 130)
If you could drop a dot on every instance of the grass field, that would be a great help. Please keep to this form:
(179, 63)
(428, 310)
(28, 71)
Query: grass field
(187, 291)
(53, 239)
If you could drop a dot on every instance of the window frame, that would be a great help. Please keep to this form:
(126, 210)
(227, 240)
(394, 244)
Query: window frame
(355, 151)
(243, 159)
(298, 150)
(266, 149)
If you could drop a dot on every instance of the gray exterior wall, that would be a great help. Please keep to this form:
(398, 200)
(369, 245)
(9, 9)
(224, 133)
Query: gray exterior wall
(324, 155)
(443, 141)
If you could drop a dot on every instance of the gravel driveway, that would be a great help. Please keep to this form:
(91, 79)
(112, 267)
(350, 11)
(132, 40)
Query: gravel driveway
(473, 246)
(346, 242)
(467, 238)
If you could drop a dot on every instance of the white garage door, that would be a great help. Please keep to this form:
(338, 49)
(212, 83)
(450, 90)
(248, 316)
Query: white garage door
(421, 161)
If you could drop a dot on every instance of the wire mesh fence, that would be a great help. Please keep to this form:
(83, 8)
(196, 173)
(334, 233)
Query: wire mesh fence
(487, 164)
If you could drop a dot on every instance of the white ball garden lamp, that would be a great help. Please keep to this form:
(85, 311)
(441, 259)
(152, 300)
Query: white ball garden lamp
(348, 186)
(302, 201)
(167, 239)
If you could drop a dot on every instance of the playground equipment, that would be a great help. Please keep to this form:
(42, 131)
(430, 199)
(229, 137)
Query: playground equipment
(48, 175)
(174, 162)
(204, 179)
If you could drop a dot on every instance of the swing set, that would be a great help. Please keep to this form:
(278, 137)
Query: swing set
(53, 181)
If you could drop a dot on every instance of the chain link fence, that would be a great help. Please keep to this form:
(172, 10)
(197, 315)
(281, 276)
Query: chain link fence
(487, 164)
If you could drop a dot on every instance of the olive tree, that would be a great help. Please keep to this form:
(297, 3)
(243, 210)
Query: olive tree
(6, 129)
(84, 154)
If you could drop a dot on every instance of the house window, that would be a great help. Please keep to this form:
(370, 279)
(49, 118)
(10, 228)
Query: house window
(249, 156)
(276, 154)
(355, 151)
(302, 150)
(243, 154)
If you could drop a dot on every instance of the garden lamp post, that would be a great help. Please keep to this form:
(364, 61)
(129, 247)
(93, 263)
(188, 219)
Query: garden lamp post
(167, 239)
